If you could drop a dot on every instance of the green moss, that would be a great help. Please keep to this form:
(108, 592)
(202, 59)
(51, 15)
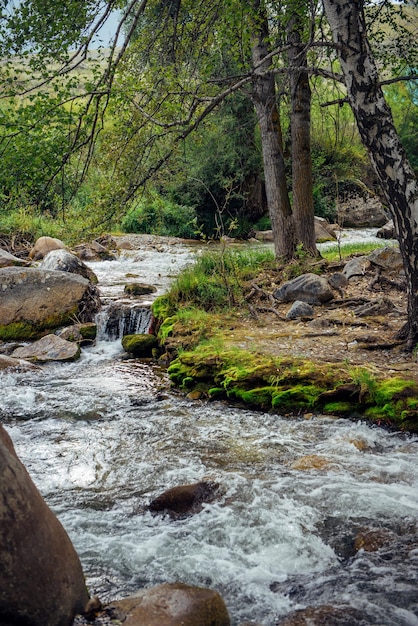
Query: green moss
(216, 392)
(258, 397)
(299, 396)
(166, 328)
(393, 388)
(17, 331)
(88, 330)
(140, 345)
(338, 408)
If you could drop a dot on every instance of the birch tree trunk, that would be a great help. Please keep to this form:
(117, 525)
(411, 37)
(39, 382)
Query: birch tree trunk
(379, 136)
(264, 99)
(300, 125)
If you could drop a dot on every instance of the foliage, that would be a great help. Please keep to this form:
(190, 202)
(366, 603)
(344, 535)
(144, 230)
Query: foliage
(159, 216)
(215, 281)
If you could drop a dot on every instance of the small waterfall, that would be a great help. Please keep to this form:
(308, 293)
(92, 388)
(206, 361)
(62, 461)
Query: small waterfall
(121, 318)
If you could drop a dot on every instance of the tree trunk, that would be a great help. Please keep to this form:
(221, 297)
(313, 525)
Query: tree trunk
(264, 98)
(300, 93)
(379, 136)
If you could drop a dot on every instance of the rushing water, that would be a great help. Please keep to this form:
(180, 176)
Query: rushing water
(103, 436)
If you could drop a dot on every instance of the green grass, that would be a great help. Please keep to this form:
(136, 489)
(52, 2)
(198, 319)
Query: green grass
(333, 252)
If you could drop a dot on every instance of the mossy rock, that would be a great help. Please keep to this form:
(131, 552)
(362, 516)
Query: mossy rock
(139, 289)
(294, 384)
(88, 330)
(141, 345)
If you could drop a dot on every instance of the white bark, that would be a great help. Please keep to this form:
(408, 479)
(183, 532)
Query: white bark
(379, 136)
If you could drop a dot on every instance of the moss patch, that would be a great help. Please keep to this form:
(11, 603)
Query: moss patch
(292, 384)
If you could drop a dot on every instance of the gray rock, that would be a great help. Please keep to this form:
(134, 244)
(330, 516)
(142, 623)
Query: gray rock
(337, 280)
(64, 261)
(8, 362)
(300, 309)
(48, 348)
(7, 259)
(356, 267)
(41, 579)
(388, 258)
(359, 209)
(307, 287)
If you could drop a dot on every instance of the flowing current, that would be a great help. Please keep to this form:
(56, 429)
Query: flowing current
(103, 436)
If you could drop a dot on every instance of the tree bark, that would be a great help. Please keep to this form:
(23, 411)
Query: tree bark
(300, 124)
(264, 98)
(379, 136)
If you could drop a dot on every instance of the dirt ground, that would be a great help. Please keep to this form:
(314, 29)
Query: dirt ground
(337, 332)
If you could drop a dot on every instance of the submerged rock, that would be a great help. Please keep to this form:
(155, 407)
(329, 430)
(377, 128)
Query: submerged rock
(329, 615)
(41, 580)
(185, 499)
(139, 289)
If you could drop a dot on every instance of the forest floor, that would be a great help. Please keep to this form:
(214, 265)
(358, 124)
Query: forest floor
(336, 332)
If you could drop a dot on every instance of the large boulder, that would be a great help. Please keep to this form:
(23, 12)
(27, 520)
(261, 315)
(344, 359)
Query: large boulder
(361, 209)
(34, 301)
(173, 604)
(41, 579)
(65, 261)
(43, 245)
(307, 288)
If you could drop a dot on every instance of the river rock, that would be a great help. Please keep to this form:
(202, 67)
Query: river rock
(372, 539)
(43, 245)
(307, 288)
(7, 259)
(49, 348)
(94, 251)
(34, 300)
(173, 604)
(84, 334)
(139, 289)
(65, 261)
(329, 615)
(41, 579)
(185, 499)
(9, 362)
(299, 310)
(140, 346)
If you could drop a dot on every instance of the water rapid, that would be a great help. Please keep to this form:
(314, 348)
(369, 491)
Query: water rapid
(103, 436)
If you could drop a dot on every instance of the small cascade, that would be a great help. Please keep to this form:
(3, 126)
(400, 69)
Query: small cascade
(122, 318)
